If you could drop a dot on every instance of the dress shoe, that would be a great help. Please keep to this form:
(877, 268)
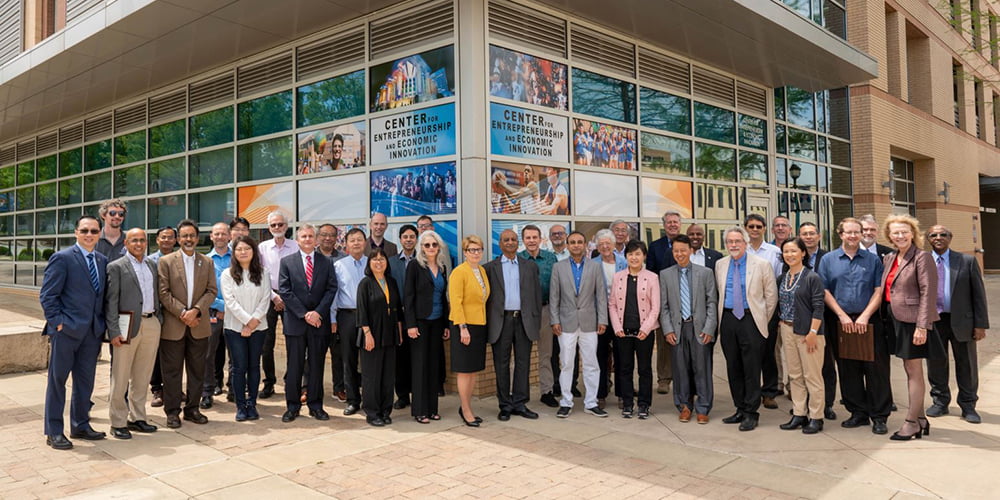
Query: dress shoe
(58, 442)
(401, 403)
(121, 433)
(663, 388)
(971, 416)
(601, 402)
(549, 400)
(749, 422)
(526, 413)
(503, 416)
(174, 421)
(319, 414)
(157, 399)
(856, 420)
(814, 426)
(267, 391)
(685, 414)
(937, 410)
(252, 413)
(217, 391)
(879, 427)
(797, 422)
(898, 436)
(141, 426)
(702, 418)
(87, 433)
(735, 418)
(892, 407)
(925, 426)
(769, 403)
(471, 423)
(341, 396)
(241, 414)
(206, 402)
(829, 414)
(350, 410)
(387, 419)
(230, 397)
(196, 417)
(378, 422)
(289, 415)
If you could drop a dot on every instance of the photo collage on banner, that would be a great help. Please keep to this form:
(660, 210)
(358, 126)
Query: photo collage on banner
(333, 148)
(414, 191)
(413, 79)
(597, 144)
(526, 78)
(529, 189)
(498, 226)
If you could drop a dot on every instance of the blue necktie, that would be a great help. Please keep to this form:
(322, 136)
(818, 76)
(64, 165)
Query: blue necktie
(685, 294)
(94, 280)
(738, 306)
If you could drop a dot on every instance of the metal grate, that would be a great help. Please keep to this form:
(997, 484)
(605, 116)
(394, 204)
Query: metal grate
(167, 105)
(46, 143)
(751, 98)
(97, 127)
(713, 86)
(8, 155)
(665, 70)
(327, 55)
(10, 30)
(428, 23)
(208, 92)
(515, 23)
(274, 72)
(69, 136)
(602, 50)
(130, 116)
(25, 149)
(77, 8)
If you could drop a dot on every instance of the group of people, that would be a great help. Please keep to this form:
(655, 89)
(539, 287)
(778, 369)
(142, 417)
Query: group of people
(786, 309)
(601, 145)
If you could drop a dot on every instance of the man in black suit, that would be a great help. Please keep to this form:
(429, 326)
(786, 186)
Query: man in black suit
(660, 257)
(699, 253)
(869, 236)
(961, 303)
(809, 234)
(514, 313)
(307, 285)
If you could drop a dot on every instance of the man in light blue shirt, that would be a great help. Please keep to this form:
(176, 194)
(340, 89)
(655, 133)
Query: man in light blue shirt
(220, 259)
(343, 314)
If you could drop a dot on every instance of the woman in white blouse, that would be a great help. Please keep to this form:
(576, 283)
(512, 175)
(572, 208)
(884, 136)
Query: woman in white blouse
(246, 289)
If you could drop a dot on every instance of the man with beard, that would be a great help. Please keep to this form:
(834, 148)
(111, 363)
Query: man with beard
(271, 253)
(112, 241)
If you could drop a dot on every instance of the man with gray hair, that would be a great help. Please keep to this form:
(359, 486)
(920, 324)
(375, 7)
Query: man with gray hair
(622, 233)
(869, 236)
(271, 253)
(661, 257)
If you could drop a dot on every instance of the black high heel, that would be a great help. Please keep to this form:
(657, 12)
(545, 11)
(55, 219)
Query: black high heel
(925, 426)
(473, 423)
(896, 436)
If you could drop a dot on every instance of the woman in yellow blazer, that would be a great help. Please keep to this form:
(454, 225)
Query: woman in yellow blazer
(468, 290)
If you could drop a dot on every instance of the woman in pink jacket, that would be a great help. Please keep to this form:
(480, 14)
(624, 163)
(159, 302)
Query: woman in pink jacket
(635, 307)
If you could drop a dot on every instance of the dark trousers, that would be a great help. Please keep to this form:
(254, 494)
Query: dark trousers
(210, 356)
(425, 365)
(630, 353)
(865, 385)
(378, 368)
(769, 360)
(79, 357)
(178, 357)
(156, 379)
(347, 329)
(693, 371)
(403, 380)
(605, 348)
(244, 353)
(311, 347)
(512, 337)
(966, 369)
(267, 357)
(742, 345)
(221, 367)
(336, 365)
(831, 353)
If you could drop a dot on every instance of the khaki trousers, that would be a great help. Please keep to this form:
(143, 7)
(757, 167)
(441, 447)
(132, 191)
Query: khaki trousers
(546, 379)
(805, 372)
(133, 366)
(664, 358)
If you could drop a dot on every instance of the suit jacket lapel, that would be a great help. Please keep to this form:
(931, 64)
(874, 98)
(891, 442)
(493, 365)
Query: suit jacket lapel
(955, 264)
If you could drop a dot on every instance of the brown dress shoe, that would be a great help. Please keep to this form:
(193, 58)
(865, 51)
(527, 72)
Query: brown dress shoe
(769, 403)
(157, 399)
(685, 414)
(702, 419)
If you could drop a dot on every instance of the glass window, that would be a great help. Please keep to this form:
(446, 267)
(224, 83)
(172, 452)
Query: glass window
(822, 111)
(780, 139)
(25, 173)
(67, 219)
(665, 111)
(753, 168)
(822, 178)
(136, 215)
(801, 143)
(339, 97)
(715, 202)
(70, 162)
(130, 148)
(25, 225)
(840, 153)
(800, 108)
(838, 109)
(165, 176)
(45, 222)
(753, 131)
(715, 162)
(166, 139)
(822, 149)
(46, 195)
(70, 191)
(130, 181)
(265, 115)
(97, 187)
(7, 177)
(211, 168)
(265, 159)
(779, 103)
(97, 155)
(6, 229)
(25, 198)
(166, 210)
(802, 176)
(603, 96)
(207, 208)
(46, 168)
(665, 155)
(840, 181)
(46, 247)
(714, 123)
(211, 128)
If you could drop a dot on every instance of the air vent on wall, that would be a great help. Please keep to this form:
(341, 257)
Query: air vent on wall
(72, 135)
(274, 72)
(46, 143)
(95, 128)
(10, 30)
(751, 98)
(713, 86)
(130, 117)
(207, 92)
(77, 8)
(664, 70)
(166, 105)
(8, 155)
(328, 55)
(602, 50)
(25, 149)
(425, 24)
(512, 22)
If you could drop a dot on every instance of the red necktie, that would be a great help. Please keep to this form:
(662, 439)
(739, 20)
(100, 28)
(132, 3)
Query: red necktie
(309, 271)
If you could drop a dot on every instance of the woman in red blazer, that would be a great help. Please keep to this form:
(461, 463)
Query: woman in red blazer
(634, 305)
(910, 292)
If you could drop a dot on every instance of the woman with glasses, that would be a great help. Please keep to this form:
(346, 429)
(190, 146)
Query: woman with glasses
(379, 317)
(467, 292)
(426, 312)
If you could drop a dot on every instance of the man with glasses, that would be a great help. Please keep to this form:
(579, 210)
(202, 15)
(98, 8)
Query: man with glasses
(271, 253)
(112, 241)
(557, 238)
(771, 366)
(328, 242)
(809, 234)
(869, 237)
(376, 227)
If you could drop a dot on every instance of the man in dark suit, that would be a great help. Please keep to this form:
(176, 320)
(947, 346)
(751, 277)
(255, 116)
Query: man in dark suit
(73, 302)
(307, 285)
(514, 312)
(869, 236)
(809, 234)
(961, 303)
(661, 257)
(376, 227)
(397, 269)
(699, 253)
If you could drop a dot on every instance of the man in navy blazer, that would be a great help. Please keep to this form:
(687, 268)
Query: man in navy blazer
(72, 298)
(307, 298)
(660, 257)
(700, 254)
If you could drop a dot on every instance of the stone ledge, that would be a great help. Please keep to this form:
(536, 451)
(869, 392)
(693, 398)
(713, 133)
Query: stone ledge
(23, 349)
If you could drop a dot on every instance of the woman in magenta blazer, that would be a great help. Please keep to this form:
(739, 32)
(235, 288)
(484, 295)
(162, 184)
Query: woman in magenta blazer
(635, 307)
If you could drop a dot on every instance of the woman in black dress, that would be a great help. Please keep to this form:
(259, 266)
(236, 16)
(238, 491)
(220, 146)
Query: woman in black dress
(379, 317)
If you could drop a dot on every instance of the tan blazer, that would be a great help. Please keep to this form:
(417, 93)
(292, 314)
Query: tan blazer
(914, 289)
(762, 291)
(173, 294)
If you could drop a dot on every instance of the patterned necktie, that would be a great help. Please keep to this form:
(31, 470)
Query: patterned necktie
(738, 306)
(94, 280)
(685, 294)
(940, 287)
(309, 271)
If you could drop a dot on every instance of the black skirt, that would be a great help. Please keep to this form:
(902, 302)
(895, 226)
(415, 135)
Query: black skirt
(905, 349)
(468, 358)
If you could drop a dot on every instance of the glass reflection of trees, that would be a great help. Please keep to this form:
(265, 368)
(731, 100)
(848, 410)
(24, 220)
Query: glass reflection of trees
(603, 96)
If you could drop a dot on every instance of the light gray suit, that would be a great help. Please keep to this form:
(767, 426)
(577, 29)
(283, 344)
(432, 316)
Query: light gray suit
(578, 314)
(692, 360)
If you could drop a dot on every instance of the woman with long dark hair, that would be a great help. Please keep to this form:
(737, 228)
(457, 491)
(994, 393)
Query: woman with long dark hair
(379, 317)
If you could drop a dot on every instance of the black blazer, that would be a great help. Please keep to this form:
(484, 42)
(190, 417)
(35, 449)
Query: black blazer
(418, 293)
(530, 294)
(819, 255)
(968, 295)
(299, 298)
(381, 318)
(661, 256)
(808, 301)
(711, 257)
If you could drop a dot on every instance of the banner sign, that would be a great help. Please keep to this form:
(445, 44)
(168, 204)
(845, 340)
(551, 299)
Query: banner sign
(415, 135)
(528, 134)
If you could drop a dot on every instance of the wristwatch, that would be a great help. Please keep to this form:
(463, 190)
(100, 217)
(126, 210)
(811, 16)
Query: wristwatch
(813, 330)
(463, 325)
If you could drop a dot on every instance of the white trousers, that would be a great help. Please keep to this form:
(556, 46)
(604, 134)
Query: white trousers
(591, 373)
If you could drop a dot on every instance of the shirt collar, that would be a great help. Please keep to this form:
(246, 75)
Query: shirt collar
(504, 259)
(84, 250)
(946, 256)
(132, 258)
(214, 253)
(310, 254)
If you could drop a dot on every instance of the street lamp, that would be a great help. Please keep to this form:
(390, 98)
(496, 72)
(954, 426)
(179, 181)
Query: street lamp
(795, 171)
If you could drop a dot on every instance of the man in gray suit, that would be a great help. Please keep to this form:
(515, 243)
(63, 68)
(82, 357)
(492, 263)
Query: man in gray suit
(688, 319)
(578, 303)
(961, 303)
(513, 313)
(132, 291)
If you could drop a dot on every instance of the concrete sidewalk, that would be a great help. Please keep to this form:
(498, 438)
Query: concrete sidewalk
(582, 456)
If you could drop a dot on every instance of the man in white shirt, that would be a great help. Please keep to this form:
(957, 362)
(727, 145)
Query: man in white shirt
(700, 255)
(756, 227)
(271, 253)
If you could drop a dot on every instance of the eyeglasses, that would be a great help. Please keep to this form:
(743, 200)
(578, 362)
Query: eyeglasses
(754, 226)
(89, 231)
(474, 250)
(557, 233)
(116, 213)
(939, 235)
(277, 224)
(431, 244)
(426, 225)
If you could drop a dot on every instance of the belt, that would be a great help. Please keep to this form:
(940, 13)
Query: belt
(147, 315)
(786, 323)
(512, 314)
(687, 319)
(346, 310)
(731, 310)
